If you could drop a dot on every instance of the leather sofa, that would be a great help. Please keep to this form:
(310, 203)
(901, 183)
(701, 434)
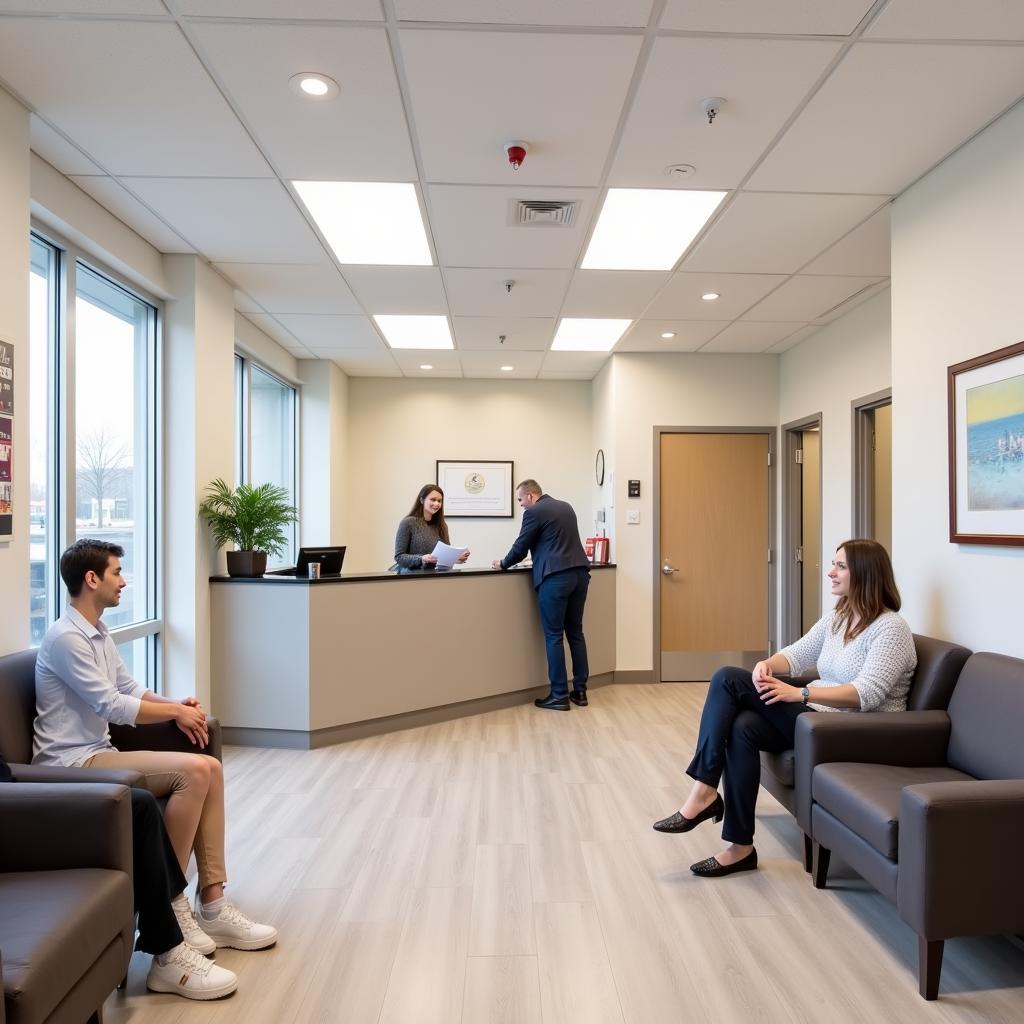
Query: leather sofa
(928, 807)
(66, 920)
(787, 776)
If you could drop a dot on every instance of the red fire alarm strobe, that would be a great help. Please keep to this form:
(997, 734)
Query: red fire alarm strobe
(516, 153)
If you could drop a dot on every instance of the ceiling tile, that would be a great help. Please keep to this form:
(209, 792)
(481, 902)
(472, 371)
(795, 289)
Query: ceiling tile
(842, 308)
(233, 221)
(572, 365)
(783, 17)
(57, 151)
(520, 333)
(794, 339)
(318, 10)
(364, 363)
(245, 303)
(612, 293)
(763, 81)
(273, 329)
(949, 19)
(410, 360)
(487, 365)
(123, 205)
(472, 227)
(616, 13)
(888, 113)
(398, 289)
(775, 232)
(484, 293)
(808, 298)
(360, 135)
(744, 336)
(864, 251)
(565, 103)
(646, 335)
(293, 288)
(132, 7)
(681, 297)
(336, 333)
(130, 93)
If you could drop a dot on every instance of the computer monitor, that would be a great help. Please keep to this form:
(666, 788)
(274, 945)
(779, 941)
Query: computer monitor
(330, 560)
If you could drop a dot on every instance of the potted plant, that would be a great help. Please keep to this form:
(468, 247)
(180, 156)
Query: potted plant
(251, 518)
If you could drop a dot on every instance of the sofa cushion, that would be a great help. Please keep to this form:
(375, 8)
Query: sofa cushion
(780, 765)
(53, 927)
(866, 797)
(938, 667)
(17, 705)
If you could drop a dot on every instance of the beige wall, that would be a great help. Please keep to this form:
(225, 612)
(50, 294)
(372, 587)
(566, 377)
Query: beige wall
(956, 244)
(323, 504)
(398, 428)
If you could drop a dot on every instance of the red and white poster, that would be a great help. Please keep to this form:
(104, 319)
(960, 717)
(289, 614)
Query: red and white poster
(6, 474)
(6, 378)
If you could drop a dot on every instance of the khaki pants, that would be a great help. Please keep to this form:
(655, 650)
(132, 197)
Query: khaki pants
(193, 821)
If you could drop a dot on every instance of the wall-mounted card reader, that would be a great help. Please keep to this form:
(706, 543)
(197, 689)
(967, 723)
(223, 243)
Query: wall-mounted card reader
(634, 488)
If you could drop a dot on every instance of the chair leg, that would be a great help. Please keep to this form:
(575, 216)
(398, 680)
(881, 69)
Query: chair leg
(929, 966)
(819, 865)
(808, 853)
(97, 1017)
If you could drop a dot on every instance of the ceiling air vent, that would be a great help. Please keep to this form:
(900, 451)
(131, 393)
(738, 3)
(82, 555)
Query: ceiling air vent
(544, 211)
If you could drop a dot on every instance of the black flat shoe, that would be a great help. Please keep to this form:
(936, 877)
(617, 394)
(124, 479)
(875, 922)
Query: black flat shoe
(713, 868)
(579, 698)
(678, 823)
(550, 703)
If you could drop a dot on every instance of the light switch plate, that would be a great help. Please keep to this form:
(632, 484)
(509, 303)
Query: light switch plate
(633, 516)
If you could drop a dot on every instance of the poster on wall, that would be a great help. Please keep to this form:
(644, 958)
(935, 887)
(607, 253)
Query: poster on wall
(986, 448)
(6, 475)
(6, 378)
(475, 488)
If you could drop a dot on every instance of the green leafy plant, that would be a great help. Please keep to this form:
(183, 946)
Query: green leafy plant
(251, 518)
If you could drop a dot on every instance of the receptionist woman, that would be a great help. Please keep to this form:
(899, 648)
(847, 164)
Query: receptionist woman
(419, 532)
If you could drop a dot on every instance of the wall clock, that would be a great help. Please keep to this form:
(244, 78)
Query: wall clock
(599, 467)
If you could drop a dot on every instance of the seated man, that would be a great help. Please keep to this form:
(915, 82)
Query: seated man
(82, 684)
(157, 880)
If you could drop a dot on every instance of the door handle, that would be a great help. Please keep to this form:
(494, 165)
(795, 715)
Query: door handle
(667, 570)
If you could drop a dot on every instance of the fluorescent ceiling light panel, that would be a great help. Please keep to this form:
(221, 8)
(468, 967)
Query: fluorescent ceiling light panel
(415, 331)
(647, 228)
(375, 222)
(576, 334)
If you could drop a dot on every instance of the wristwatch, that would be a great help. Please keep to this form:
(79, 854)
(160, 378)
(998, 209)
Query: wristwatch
(806, 694)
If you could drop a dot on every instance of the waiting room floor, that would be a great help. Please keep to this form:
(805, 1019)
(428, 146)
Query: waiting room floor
(502, 869)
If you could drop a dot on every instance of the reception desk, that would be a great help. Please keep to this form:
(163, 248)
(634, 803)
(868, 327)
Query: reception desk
(305, 663)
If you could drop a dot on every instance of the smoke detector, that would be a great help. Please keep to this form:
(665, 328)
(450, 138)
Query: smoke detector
(516, 153)
(712, 107)
(680, 171)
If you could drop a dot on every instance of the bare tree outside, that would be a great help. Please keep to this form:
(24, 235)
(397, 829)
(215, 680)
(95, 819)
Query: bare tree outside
(101, 459)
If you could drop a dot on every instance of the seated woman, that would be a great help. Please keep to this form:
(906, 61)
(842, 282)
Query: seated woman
(419, 532)
(865, 657)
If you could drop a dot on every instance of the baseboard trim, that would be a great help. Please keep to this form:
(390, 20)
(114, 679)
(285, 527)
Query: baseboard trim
(295, 739)
(635, 676)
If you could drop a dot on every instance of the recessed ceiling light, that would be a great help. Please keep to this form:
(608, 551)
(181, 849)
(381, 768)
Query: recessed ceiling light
(415, 331)
(576, 334)
(426, 366)
(313, 85)
(507, 369)
(668, 334)
(375, 222)
(709, 296)
(647, 228)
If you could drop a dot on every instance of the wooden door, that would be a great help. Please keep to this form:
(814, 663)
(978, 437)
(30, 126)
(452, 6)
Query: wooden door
(713, 545)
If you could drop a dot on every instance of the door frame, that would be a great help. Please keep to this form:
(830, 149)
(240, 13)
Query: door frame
(862, 483)
(770, 432)
(792, 626)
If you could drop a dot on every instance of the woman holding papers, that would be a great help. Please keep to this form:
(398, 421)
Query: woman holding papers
(420, 531)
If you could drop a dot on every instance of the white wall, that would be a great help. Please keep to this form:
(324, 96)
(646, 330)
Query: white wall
(14, 263)
(669, 390)
(603, 437)
(956, 244)
(846, 360)
(262, 348)
(398, 428)
(324, 501)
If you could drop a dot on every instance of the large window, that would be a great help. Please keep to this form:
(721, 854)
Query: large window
(265, 412)
(94, 440)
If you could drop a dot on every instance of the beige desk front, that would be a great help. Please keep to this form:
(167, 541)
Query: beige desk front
(304, 663)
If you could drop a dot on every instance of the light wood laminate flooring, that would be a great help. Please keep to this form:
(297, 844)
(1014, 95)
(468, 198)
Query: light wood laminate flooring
(501, 869)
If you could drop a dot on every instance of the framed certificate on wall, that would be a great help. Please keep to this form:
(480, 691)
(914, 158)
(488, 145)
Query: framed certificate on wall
(475, 489)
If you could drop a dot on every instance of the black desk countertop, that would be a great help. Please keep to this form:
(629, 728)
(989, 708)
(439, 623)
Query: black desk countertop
(361, 577)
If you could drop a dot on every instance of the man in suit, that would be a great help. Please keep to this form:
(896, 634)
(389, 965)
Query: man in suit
(561, 576)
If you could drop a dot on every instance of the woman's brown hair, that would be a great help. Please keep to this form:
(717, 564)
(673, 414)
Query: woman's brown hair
(872, 587)
(438, 518)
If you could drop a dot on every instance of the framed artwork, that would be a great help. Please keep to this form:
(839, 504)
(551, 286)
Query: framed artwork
(475, 488)
(986, 448)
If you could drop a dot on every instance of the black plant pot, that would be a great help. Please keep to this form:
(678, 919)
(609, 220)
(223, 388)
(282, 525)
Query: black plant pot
(247, 563)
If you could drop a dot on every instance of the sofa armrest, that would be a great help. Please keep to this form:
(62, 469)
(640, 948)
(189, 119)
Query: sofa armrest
(55, 826)
(958, 844)
(165, 736)
(907, 738)
(55, 773)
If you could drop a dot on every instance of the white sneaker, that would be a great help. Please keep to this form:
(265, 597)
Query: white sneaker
(189, 974)
(233, 929)
(190, 930)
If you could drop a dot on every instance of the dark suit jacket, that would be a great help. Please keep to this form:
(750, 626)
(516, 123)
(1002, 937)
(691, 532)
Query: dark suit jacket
(550, 533)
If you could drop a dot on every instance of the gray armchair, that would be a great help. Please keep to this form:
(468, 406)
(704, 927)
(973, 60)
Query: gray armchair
(929, 808)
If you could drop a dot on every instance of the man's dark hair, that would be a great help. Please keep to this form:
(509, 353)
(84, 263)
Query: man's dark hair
(86, 555)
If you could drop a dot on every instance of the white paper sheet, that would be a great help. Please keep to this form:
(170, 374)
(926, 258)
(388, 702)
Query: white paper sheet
(446, 555)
